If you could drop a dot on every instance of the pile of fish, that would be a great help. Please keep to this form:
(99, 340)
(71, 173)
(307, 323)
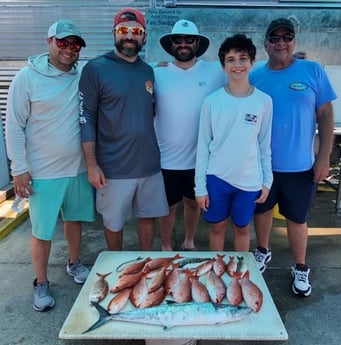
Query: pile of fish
(149, 281)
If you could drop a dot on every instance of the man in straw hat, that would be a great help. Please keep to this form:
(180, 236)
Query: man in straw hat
(180, 88)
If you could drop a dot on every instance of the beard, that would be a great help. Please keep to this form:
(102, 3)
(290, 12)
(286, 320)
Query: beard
(184, 54)
(128, 51)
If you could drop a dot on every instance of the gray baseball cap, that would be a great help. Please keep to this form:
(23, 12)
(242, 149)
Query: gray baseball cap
(64, 28)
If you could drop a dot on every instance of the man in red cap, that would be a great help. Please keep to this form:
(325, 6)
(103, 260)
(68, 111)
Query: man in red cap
(118, 137)
(127, 14)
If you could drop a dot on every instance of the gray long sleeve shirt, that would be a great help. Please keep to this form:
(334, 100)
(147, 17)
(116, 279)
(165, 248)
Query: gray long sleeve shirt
(42, 127)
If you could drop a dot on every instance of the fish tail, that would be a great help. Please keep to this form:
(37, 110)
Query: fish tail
(104, 316)
(103, 275)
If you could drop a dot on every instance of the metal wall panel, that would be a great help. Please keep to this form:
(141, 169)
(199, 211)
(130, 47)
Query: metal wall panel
(24, 24)
(255, 3)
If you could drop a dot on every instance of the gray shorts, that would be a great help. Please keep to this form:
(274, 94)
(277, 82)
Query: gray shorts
(123, 199)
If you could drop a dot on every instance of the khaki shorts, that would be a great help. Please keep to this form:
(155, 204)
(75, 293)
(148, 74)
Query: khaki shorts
(123, 199)
(73, 197)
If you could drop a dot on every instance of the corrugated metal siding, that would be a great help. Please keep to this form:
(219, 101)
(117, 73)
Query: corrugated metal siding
(257, 3)
(24, 24)
(6, 76)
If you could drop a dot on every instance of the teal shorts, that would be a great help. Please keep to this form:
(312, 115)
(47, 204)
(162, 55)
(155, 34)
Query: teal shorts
(72, 197)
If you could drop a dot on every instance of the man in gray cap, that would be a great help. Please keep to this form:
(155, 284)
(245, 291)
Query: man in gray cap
(43, 144)
(302, 95)
(180, 89)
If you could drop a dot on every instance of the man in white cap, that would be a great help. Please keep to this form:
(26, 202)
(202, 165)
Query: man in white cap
(180, 89)
(44, 146)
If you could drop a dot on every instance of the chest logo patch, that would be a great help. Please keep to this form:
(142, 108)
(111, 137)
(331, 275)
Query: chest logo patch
(298, 86)
(251, 118)
(149, 86)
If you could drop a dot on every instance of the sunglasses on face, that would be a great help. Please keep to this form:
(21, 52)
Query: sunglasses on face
(63, 44)
(276, 38)
(180, 39)
(124, 30)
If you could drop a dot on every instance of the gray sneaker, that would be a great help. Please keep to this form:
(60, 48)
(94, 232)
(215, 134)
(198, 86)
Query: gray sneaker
(42, 299)
(78, 271)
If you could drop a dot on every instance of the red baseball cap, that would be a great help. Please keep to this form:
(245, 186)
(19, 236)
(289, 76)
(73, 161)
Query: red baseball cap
(128, 14)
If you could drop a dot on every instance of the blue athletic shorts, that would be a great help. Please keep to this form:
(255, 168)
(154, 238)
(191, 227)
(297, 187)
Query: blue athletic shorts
(178, 184)
(226, 200)
(71, 196)
(293, 192)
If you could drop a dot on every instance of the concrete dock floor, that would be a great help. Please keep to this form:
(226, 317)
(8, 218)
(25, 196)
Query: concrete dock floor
(313, 320)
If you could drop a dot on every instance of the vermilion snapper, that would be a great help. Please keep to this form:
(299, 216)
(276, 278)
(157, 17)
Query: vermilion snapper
(134, 267)
(252, 295)
(231, 266)
(118, 302)
(219, 265)
(198, 290)
(234, 292)
(125, 281)
(99, 289)
(181, 290)
(160, 262)
(215, 286)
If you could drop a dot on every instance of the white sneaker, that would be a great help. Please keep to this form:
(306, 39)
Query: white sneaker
(300, 285)
(262, 258)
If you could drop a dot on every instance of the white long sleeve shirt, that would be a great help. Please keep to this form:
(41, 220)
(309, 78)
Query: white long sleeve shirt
(234, 141)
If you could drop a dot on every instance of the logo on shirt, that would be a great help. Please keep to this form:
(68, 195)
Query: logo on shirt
(298, 86)
(149, 86)
(202, 83)
(82, 118)
(251, 118)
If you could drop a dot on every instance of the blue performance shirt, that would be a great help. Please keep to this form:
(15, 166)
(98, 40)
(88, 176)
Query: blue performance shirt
(296, 91)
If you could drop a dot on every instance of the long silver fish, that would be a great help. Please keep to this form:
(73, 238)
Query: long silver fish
(172, 314)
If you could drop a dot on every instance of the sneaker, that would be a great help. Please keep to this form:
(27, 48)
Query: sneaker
(78, 271)
(262, 256)
(42, 299)
(300, 275)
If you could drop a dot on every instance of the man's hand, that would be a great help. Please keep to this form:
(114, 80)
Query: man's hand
(22, 185)
(203, 202)
(96, 177)
(263, 196)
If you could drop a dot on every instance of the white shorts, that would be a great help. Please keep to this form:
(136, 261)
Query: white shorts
(123, 199)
